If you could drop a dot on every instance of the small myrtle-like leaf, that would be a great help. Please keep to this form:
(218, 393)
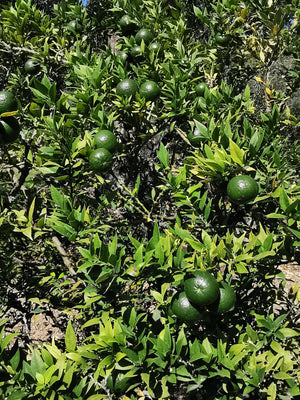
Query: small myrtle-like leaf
(284, 200)
(17, 395)
(288, 332)
(282, 375)
(57, 197)
(155, 237)
(195, 351)
(272, 391)
(157, 296)
(70, 338)
(37, 364)
(236, 153)
(163, 155)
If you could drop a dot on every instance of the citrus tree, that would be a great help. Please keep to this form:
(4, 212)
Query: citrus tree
(150, 195)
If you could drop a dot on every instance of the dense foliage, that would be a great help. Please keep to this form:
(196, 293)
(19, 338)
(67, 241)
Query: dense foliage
(110, 247)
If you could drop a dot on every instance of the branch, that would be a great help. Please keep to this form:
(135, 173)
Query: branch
(63, 254)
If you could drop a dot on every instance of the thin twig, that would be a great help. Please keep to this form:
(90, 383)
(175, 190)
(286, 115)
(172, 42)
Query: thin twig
(63, 254)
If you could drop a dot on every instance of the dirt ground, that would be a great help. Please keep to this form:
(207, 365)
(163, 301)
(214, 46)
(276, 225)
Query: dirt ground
(292, 275)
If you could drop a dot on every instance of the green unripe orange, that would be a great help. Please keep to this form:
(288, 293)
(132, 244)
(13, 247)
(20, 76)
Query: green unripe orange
(136, 51)
(222, 39)
(242, 189)
(31, 66)
(100, 160)
(144, 34)
(9, 130)
(200, 88)
(201, 288)
(227, 298)
(183, 309)
(195, 137)
(126, 24)
(8, 102)
(149, 90)
(127, 87)
(75, 25)
(105, 139)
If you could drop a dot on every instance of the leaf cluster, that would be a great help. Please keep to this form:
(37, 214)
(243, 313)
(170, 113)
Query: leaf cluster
(110, 250)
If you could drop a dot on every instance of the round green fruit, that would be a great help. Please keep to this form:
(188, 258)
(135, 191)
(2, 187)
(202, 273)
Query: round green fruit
(154, 46)
(222, 39)
(241, 189)
(183, 309)
(105, 139)
(31, 66)
(8, 102)
(9, 130)
(122, 56)
(200, 88)
(150, 90)
(144, 34)
(136, 51)
(201, 288)
(75, 25)
(127, 87)
(100, 160)
(72, 24)
(227, 298)
(126, 24)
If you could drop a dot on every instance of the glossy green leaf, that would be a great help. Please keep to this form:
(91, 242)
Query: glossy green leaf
(236, 153)
(288, 332)
(70, 338)
(18, 394)
(163, 155)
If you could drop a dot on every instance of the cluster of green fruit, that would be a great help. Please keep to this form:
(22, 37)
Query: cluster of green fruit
(128, 27)
(203, 297)
(104, 144)
(148, 90)
(9, 125)
(142, 36)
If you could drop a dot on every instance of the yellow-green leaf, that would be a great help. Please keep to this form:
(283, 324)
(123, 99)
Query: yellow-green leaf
(271, 392)
(282, 375)
(8, 114)
(259, 79)
(288, 332)
(236, 348)
(30, 212)
(74, 356)
(236, 153)
(70, 338)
